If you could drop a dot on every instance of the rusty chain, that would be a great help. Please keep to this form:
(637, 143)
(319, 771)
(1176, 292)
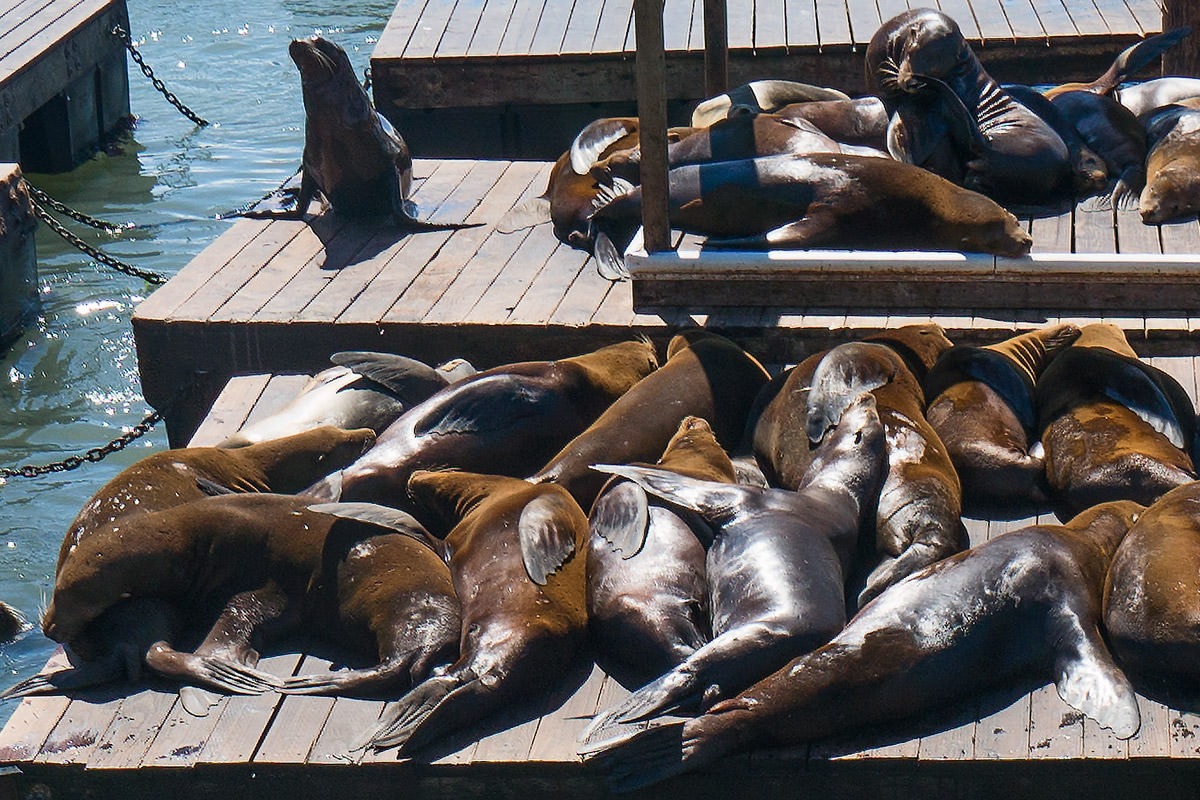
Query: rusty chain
(99, 255)
(111, 228)
(123, 35)
(92, 456)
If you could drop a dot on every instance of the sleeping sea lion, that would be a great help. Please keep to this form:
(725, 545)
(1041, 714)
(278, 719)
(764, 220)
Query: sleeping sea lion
(1142, 98)
(1114, 132)
(862, 121)
(758, 97)
(1173, 165)
(1025, 603)
(1089, 169)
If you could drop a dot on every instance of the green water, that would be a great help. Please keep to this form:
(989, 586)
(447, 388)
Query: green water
(71, 382)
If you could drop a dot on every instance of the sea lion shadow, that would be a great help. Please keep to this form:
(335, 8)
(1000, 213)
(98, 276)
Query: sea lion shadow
(1176, 694)
(346, 243)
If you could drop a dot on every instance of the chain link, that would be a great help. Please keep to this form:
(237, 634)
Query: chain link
(99, 255)
(111, 228)
(92, 456)
(123, 35)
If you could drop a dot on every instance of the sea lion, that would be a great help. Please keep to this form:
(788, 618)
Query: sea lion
(775, 428)
(981, 403)
(918, 519)
(776, 568)
(862, 121)
(818, 200)
(1024, 160)
(647, 594)
(705, 375)
(1025, 603)
(364, 390)
(510, 418)
(1152, 593)
(352, 154)
(1127, 63)
(11, 622)
(1113, 427)
(1142, 98)
(758, 97)
(1173, 164)
(516, 556)
(1114, 132)
(1089, 169)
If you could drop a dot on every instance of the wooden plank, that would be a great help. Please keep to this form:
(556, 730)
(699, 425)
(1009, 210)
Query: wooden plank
(615, 26)
(230, 409)
(581, 28)
(740, 26)
(34, 718)
(960, 12)
(81, 726)
(1086, 19)
(1023, 19)
(583, 297)
(1133, 235)
(460, 28)
(677, 24)
(28, 40)
(696, 36)
(1153, 739)
(297, 723)
(891, 8)
(1117, 17)
(237, 732)
(770, 24)
(801, 16)
(864, 20)
(278, 392)
(1095, 230)
(492, 24)
(1185, 734)
(1101, 743)
(833, 23)
(428, 31)
(394, 39)
(510, 285)
(547, 289)
(1148, 13)
(551, 28)
(993, 22)
(558, 734)
(347, 720)
(181, 736)
(1052, 234)
(133, 729)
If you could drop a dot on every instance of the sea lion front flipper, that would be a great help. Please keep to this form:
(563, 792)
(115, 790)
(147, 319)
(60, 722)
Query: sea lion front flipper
(621, 517)
(214, 671)
(411, 380)
(496, 402)
(609, 261)
(546, 538)
(392, 519)
(107, 671)
(595, 137)
(1133, 385)
(533, 211)
(1089, 680)
(212, 488)
(814, 229)
(707, 497)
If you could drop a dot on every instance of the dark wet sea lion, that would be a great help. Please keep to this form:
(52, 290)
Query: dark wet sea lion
(918, 519)
(1127, 63)
(705, 375)
(862, 121)
(1142, 98)
(981, 403)
(820, 200)
(364, 390)
(1114, 132)
(511, 418)
(776, 429)
(647, 593)
(1091, 173)
(1152, 594)
(1113, 427)
(516, 557)
(1034, 597)
(11, 622)
(757, 97)
(1173, 164)
(776, 568)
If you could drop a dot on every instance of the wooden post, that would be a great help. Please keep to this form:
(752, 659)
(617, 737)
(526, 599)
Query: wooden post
(652, 123)
(1183, 58)
(716, 47)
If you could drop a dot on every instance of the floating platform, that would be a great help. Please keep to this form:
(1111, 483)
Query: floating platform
(19, 298)
(281, 296)
(137, 741)
(64, 87)
(518, 78)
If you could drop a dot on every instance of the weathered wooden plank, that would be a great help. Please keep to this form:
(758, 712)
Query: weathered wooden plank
(1185, 734)
(349, 718)
(518, 36)
(960, 12)
(1087, 19)
(394, 39)
(428, 31)
(278, 392)
(583, 298)
(770, 24)
(515, 729)
(1153, 739)
(509, 286)
(740, 29)
(460, 28)
(581, 28)
(801, 16)
(492, 24)
(1101, 743)
(547, 289)
(297, 723)
(230, 409)
(956, 742)
(135, 725)
(677, 24)
(1133, 235)
(24, 42)
(1148, 13)
(1054, 18)
(615, 26)
(1023, 19)
(551, 28)
(558, 733)
(1118, 18)
(993, 22)
(243, 720)
(833, 23)
(1052, 234)
(1095, 229)
(890, 8)
(864, 20)
(81, 726)
(34, 718)
(181, 736)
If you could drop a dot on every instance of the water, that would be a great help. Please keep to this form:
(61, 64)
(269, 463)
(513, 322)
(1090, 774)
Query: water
(71, 382)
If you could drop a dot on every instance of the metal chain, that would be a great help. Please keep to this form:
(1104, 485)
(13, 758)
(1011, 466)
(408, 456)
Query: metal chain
(93, 455)
(111, 228)
(99, 255)
(123, 35)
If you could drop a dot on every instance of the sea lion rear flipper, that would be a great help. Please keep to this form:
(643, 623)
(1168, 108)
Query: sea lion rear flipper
(707, 497)
(430, 709)
(1130, 60)
(640, 757)
(1087, 678)
(546, 537)
(532, 212)
(1143, 390)
(99, 673)
(495, 402)
(392, 519)
(595, 137)
(609, 261)
(411, 380)
(621, 517)
(208, 670)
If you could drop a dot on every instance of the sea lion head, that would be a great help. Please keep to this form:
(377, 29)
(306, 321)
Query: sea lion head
(1171, 195)
(295, 462)
(920, 43)
(321, 61)
(857, 444)
(980, 225)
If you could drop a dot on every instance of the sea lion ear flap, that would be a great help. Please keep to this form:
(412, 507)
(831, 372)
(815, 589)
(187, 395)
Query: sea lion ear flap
(621, 517)
(411, 380)
(391, 519)
(546, 538)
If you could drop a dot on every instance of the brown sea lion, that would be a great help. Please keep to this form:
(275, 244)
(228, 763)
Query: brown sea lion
(364, 390)
(1113, 427)
(777, 566)
(516, 556)
(758, 97)
(647, 594)
(1114, 132)
(818, 200)
(862, 121)
(1127, 63)
(1019, 604)
(918, 520)
(981, 403)
(776, 431)
(705, 375)
(1152, 594)
(1173, 165)
(510, 418)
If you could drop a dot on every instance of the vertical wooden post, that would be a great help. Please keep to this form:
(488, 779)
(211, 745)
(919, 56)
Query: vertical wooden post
(1183, 58)
(652, 123)
(716, 47)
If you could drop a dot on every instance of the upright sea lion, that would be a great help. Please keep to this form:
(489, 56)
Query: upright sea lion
(1114, 132)
(516, 556)
(981, 403)
(819, 200)
(1025, 603)
(776, 568)
(1173, 165)
(364, 390)
(1113, 427)
(1142, 98)
(705, 375)
(647, 593)
(1127, 63)
(757, 97)
(918, 519)
(1152, 594)
(510, 418)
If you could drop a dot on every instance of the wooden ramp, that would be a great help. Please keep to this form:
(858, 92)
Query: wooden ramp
(137, 741)
(518, 78)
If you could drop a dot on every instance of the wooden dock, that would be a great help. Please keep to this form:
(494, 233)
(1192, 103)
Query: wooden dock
(518, 78)
(64, 87)
(137, 741)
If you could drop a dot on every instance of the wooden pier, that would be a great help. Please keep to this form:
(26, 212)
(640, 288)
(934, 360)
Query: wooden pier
(137, 741)
(19, 298)
(518, 78)
(64, 87)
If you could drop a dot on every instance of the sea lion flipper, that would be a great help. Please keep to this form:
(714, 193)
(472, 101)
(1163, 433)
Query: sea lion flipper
(400, 720)
(411, 380)
(380, 516)
(94, 674)
(642, 757)
(532, 212)
(707, 497)
(595, 137)
(212, 488)
(1133, 385)
(815, 228)
(621, 517)
(546, 542)
(1089, 680)
(609, 261)
(495, 402)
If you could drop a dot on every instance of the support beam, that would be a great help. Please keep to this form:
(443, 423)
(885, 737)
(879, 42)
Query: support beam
(1183, 58)
(652, 122)
(716, 47)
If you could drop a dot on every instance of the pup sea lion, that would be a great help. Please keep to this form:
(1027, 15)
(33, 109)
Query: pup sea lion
(1173, 163)
(1113, 427)
(776, 568)
(758, 97)
(516, 556)
(981, 403)
(705, 375)
(364, 390)
(1033, 597)
(1152, 594)
(647, 594)
(1142, 98)
(818, 200)
(1114, 132)
(510, 418)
